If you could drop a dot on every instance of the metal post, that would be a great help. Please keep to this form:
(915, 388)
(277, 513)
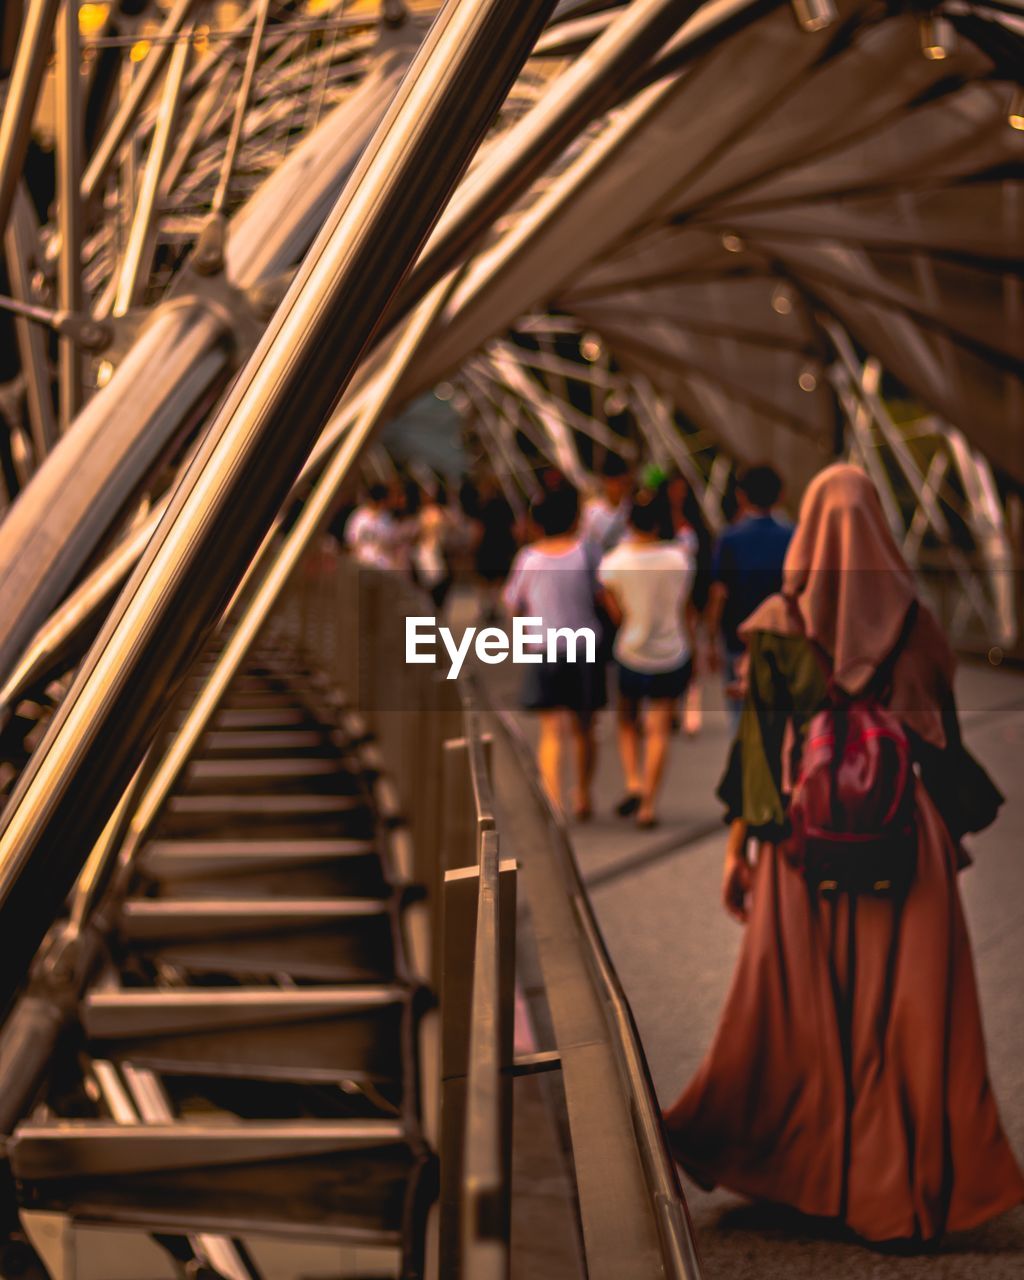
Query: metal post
(486, 1167)
(22, 93)
(21, 245)
(210, 249)
(460, 973)
(250, 456)
(70, 120)
(105, 153)
(139, 250)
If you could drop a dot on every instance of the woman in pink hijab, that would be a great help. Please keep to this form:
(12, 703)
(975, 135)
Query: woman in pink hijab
(848, 1076)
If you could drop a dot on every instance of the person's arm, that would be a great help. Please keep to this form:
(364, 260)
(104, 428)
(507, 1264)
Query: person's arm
(512, 593)
(611, 604)
(605, 593)
(737, 872)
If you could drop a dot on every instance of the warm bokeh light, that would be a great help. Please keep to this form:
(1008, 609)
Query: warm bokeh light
(92, 18)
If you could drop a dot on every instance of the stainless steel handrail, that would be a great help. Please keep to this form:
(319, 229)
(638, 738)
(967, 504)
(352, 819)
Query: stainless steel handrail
(679, 1246)
(252, 453)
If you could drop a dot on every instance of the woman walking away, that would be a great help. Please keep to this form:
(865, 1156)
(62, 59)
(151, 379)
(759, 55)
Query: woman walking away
(495, 546)
(553, 579)
(647, 582)
(848, 1076)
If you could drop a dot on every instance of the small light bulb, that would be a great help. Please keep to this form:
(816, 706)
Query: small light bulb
(938, 37)
(590, 347)
(814, 15)
(782, 303)
(732, 243)
(1016, 115)
(104, 372)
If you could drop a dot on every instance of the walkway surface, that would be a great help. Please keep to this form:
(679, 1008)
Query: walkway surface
(657, 898)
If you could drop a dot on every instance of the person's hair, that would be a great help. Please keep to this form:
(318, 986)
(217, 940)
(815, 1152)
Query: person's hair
(614, 467)
(412, 498)
(378, 492)
(556, 512)
(762, 485)
(649, 512)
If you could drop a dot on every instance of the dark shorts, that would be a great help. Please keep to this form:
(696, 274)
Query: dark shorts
(576, 686)
(637, 685)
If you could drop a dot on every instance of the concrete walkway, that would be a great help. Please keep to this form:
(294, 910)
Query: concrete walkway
(657, 897)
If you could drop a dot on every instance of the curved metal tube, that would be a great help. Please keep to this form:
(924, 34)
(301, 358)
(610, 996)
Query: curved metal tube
(250, 456)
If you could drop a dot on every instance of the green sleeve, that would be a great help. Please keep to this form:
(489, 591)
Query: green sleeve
(784, 683)
(760, 738)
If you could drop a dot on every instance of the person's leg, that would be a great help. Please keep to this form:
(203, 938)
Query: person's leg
(626, 718)
(582, 729)
(657, 736)
(549, 754)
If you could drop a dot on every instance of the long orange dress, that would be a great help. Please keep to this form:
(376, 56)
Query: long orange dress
(848, 1077)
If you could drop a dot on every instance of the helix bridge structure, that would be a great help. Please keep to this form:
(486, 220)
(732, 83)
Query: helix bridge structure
(258, 882)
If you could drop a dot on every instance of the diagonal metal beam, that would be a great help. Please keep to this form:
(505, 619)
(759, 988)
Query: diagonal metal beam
(142, 85)
(141, 237)
(252, 452)
(22, 93)
(251, 620)
(579, 95)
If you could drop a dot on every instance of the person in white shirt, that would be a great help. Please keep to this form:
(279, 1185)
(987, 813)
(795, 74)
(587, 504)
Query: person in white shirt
(429, 553)
(647, 583)
(370, 531)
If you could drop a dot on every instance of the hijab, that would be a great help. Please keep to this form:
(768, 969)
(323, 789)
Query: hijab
(846, 578)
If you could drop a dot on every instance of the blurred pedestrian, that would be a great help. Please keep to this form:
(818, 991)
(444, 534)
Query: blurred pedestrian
(605, 514)
(371, 532)
(688, 526)
(746, 568)
(647, 580)
(430, 560)
(848, 1078)
(495, 544)
(553, 579)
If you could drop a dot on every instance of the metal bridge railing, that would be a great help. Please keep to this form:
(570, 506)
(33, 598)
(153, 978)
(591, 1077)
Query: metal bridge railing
(468, 794)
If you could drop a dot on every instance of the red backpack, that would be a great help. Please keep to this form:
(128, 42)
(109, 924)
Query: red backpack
(852, 805)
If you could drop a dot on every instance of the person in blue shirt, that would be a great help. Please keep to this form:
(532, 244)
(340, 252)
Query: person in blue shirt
(746, 568)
